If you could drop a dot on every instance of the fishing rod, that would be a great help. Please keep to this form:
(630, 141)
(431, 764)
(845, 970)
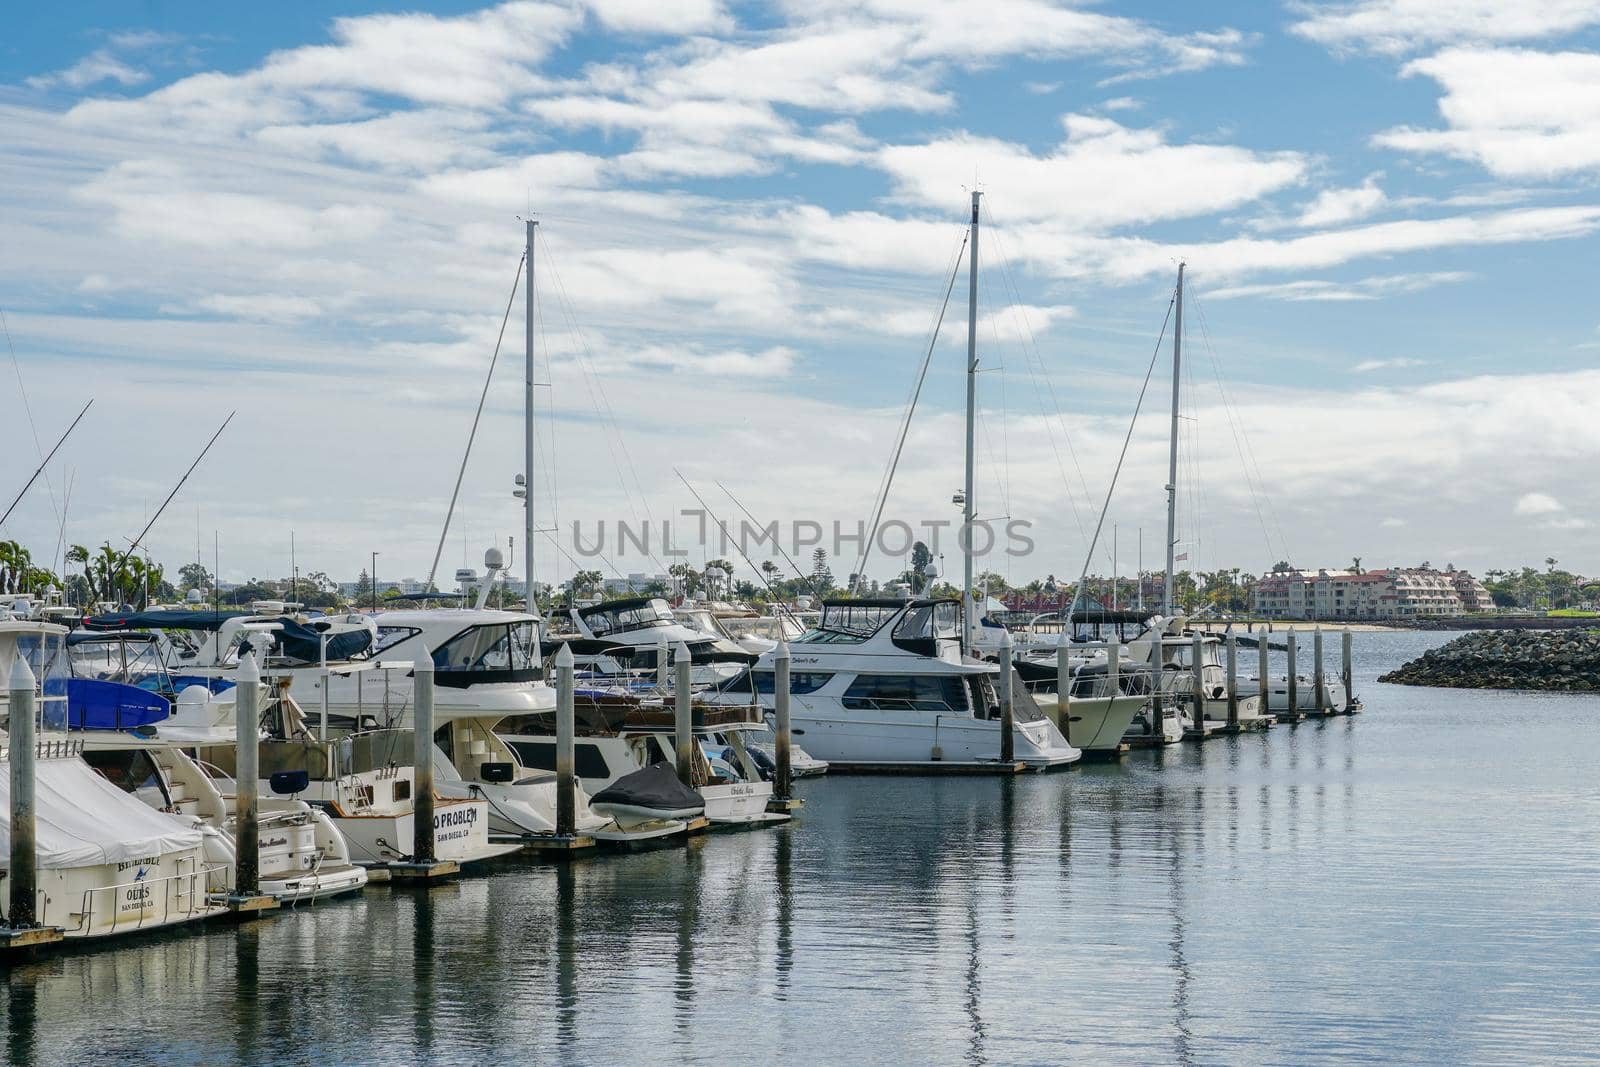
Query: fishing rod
(777, 542)
(737, 547)
(134, 544)
(45, 463)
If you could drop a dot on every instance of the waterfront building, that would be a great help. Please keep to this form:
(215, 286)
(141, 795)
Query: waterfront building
(1394, 593)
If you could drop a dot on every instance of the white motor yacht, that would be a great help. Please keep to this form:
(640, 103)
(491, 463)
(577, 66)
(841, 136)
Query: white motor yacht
(882, 683)
(107, 864)
(617, 637)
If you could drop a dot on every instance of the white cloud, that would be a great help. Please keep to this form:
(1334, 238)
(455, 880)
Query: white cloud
(1104, 175)
(1537, 504)
(661, 16)
(1395, 26)
(1373, 288)
(1334, 207)
(1520, 114)
(96, 67)
(1399, 363)
(268, 307)
(1392, 522)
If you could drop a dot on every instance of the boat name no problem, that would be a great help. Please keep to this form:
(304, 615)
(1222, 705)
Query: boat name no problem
(893, 537)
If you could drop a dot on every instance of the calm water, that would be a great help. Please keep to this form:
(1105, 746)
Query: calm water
(1416, 884)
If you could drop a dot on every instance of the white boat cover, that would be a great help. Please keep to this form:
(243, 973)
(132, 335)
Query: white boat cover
(82, 820)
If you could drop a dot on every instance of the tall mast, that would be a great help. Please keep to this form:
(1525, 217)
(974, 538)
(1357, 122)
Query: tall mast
(527, 435)
(1172, 452)
(968, 608)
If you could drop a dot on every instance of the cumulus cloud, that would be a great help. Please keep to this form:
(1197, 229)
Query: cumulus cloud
(1394, 26)
(1366, 366)
(1334, 207)
(1536, 504)
(1518, 113)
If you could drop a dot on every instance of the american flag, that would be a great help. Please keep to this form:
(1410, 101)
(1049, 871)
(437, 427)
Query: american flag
(1180, 557)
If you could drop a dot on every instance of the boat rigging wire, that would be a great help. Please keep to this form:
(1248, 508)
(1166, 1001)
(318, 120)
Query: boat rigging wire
(472, 435)
(1241, 441)
(887, 481)
(1088, 556)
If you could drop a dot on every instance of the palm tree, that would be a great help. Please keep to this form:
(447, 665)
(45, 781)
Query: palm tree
(1355, 564)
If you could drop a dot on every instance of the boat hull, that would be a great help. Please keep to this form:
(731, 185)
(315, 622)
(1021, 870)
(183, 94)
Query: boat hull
(912, 739)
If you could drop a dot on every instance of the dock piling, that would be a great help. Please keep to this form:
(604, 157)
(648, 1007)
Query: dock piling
(422, 814)
(1197, 685)
(1317, 677)
(1263, 679)
(1346, 659)
(246, 775)
(663, 672)
(783, 776)
(683, 730)
(1233, 680)
(566, 795)
(1007, 700)
(1158, 714)
(1113, 668)
(23, 876)
(1293, 679)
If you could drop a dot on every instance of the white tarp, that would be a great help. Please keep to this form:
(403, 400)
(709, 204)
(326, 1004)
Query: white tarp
(82, 820)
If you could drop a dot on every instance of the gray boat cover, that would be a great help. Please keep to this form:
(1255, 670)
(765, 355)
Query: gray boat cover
(656, 786)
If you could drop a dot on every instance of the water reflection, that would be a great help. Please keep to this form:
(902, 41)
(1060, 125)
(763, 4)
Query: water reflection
(1151, 910)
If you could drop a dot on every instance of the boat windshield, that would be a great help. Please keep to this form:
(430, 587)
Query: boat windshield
(938, 620)
(492, 647)
(117, 659)
(844, 624)
(602, 620)
(700, 621)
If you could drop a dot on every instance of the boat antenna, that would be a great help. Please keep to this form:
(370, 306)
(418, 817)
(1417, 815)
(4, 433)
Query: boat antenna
(804, 577)
(134, 544)
(737, 546)
(473, 434)
(43, 464)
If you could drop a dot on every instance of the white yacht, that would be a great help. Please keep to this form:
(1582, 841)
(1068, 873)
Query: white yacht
(616, 637)
(1305, 696)
(882, 683)
(107, 864)
(623, 730)
(486, 670)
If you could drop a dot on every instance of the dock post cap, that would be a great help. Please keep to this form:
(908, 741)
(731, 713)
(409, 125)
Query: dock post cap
(1005, 637)
(680, 652)
(782, 651)
(423, 663)
(1063, 639)
(564, 656)
(248, 671)
(21, 675)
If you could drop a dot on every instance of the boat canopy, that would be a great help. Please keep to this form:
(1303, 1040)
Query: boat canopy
(82, 820)
(162, 619)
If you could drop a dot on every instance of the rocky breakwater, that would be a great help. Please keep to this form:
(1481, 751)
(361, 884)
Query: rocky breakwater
(1561, 661)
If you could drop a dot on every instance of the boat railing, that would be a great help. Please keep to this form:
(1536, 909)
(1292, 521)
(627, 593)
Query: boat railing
(182, 885)
(51, 748)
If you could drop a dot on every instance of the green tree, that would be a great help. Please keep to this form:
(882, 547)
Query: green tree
(193, 576)
(821, 575)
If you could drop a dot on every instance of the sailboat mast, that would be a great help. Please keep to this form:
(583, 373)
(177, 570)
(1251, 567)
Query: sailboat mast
(527, 434)
(1172, 452)
(968, 608)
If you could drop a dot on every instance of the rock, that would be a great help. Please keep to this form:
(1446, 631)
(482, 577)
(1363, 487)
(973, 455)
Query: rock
(1559, 661)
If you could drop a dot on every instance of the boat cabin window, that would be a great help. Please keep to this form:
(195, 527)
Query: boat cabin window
(130, 770)
(766, 682)
(907, 692)
(493, 647)
(846, 624)
(603, 620)
(940, 620)
(389, 636)
(587, 759)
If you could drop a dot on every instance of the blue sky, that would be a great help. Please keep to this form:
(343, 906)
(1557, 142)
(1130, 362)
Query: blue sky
(1388, 209)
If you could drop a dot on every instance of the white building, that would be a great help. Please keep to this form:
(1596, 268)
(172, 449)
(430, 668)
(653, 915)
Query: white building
(1395, 593)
